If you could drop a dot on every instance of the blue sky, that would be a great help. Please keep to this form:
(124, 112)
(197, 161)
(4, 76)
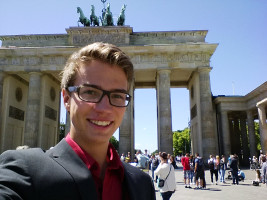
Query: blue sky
(239, 27)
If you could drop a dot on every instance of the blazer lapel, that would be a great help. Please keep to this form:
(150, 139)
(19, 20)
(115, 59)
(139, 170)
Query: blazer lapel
(63, 154)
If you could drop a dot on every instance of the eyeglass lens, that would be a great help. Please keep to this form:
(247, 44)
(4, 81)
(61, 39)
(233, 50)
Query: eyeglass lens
(94, 95)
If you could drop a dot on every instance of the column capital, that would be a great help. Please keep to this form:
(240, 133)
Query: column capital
(262, 104)
(204, 69)
(35, 73)
(225, 112)
(161, 71)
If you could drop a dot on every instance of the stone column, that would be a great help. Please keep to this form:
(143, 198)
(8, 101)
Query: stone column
(263, 126)
(244, 141)
(165, 140)
(2, 76)
(251, 134)
(225, 134)
(33, 110)
(206, 113)
(126, 131)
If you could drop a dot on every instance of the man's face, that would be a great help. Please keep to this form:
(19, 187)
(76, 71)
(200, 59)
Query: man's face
(95, 123)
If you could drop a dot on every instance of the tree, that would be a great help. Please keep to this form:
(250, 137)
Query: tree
(62, 127)
(257, 134)
(181, 141)
(114, 142)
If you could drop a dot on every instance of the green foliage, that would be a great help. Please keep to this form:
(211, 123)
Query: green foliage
(61, 131)
(181, 141)
(156, 151)
(114, 142)
(257, 134)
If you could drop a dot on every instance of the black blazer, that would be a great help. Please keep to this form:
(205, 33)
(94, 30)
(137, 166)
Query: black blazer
(59, 174)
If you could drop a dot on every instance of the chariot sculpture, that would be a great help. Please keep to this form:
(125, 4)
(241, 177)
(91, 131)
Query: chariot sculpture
(106, 19)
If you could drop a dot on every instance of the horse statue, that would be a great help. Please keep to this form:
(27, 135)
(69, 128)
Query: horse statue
(84, 20)
(121, 18)
(93, 18)
(108, 18)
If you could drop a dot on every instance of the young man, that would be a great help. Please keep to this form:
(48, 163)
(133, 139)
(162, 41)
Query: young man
(199, 172)
(186, 169)
(84, 165)
(211, 163)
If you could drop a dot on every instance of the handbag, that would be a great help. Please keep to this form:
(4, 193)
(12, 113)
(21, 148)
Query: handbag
(161, 181)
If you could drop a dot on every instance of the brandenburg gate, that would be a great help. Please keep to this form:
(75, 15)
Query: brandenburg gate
(30, 84)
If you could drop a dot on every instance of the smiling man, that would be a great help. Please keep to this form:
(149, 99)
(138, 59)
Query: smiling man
(84, 165)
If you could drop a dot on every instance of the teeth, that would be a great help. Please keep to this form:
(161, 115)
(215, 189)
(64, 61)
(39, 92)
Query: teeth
(101, 123)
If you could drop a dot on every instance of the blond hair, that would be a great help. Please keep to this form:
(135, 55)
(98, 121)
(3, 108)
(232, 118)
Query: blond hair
(103, 52)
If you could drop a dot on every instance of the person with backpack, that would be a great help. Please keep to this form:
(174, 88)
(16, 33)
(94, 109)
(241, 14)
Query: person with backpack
(211, 163)
(199, 171)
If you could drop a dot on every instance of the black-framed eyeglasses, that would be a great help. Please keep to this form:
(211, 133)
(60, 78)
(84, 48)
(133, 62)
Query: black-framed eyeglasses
(93, 94)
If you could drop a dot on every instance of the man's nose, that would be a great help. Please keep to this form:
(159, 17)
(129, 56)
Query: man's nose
(104, 103)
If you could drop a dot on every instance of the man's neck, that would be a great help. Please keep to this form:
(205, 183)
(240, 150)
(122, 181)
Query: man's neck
(98, 151)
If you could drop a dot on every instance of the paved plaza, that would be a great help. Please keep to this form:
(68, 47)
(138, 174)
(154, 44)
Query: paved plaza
(245, 190)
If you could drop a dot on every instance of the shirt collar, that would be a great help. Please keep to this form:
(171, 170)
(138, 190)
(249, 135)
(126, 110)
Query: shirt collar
(113, 160)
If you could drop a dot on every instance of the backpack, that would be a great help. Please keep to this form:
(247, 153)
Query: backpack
(211, 164)
(200, 164)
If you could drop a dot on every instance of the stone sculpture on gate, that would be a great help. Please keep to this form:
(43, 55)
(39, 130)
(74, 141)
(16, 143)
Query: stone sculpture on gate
(106, 19)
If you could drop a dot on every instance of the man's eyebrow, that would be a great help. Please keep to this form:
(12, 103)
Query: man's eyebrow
(98, 87)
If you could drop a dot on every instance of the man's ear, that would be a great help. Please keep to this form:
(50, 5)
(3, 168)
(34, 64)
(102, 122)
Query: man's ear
(66, 99)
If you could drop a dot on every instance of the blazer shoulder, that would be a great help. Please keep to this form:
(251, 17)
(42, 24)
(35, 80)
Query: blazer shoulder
(135, 171)
(140, 185)
(24, 154)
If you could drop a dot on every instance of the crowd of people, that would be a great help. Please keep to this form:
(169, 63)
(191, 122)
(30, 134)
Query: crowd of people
(162, 166)
(194, 168)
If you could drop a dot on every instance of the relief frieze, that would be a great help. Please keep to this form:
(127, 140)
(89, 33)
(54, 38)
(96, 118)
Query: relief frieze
(86, 39)
(165, 58)
(33, 61)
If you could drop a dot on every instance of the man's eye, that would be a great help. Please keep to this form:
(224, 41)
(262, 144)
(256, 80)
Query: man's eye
(118, 96)
(90, 92)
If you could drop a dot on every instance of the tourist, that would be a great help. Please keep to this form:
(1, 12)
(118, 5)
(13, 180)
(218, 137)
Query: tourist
(186, 169)
(154, 165)
(192, 169)
(216, 168)
(222, 169)
(142, 160)
(122, 157)
(128, 158)
(264, 170)
(234, 169)
(165, 171)
(173, 162)
(199, 172)
(84, 165)
(211, 163)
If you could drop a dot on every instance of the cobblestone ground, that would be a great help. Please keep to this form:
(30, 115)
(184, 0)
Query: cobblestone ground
(226, 191)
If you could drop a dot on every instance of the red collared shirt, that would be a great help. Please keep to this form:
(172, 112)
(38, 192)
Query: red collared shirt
(111, 187)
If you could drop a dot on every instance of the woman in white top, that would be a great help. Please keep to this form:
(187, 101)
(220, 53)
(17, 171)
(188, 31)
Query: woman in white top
(166, 170)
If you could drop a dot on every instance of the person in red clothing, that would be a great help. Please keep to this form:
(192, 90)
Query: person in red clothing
(186, 168)
(95, 86)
